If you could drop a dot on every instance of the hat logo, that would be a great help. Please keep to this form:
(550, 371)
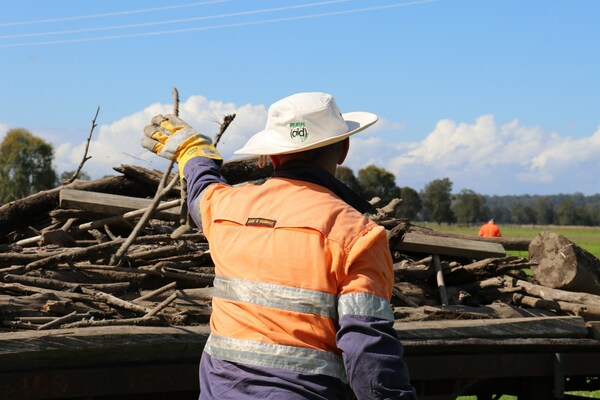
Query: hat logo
(298, 131)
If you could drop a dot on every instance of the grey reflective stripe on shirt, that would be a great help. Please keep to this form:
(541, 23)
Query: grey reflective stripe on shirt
(194, 210)
(276, 296)
(365, 305)
(291, 358)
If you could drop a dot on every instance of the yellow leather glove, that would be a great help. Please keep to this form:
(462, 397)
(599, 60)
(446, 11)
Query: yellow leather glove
(172, 138)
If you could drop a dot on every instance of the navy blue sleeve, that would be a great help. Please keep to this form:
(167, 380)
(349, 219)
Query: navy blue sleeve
(373, 358)
(200, 172)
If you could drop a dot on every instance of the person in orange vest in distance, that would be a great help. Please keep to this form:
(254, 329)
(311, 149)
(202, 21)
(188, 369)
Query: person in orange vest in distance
(303, 280)
(490, 229)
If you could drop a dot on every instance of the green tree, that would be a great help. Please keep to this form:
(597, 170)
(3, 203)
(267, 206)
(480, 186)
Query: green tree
(469, 207)
(500, 213)
(346, 175)
(566, 213)
(411, 204)
(377, 182)
(521, 214)
(25, 165)
(436, 197)
(544, 211)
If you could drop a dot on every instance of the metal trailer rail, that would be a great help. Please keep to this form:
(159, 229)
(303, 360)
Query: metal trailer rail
(162, 363)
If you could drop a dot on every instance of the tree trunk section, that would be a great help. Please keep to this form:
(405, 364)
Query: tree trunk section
(561, 264)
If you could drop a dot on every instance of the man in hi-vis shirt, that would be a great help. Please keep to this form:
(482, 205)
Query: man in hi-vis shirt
(303, 281)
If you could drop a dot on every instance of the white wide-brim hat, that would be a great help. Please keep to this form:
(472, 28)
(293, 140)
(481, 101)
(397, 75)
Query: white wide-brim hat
(305, 121)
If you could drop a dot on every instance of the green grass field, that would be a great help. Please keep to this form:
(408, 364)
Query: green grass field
(587, 238)
(591, 395)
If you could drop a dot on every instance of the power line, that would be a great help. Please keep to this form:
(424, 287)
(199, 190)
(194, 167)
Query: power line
(112, 14)
(222, 26)
(174, 21)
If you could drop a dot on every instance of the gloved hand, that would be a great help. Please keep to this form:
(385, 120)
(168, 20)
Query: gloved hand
(172, 138)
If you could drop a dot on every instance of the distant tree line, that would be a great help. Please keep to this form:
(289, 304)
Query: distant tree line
(26, 168)
(436, 202)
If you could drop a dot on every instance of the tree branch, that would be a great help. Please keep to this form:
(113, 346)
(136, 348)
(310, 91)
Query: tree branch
(85, 156)
(228, 119)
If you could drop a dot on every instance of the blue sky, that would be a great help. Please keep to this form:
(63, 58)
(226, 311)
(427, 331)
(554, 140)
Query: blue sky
(500, 96)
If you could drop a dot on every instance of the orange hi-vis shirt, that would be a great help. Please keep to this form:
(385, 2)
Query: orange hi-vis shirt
(490, 229)
(290, 260)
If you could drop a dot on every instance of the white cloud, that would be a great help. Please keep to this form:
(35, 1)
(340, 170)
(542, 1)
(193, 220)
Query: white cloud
(482, 155)
(119, 142)
(498, 159)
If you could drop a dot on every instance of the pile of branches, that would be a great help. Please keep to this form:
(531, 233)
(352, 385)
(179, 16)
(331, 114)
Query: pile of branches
(498, 287)
(63, 267)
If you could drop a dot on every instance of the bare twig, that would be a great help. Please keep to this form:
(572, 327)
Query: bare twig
(63, 320)
(158, 291)
(75, 254)
(228, 119)
(117, 302)
(85, 156)
(161, 191)
(116, 322)
(175, 102)
(162, 305)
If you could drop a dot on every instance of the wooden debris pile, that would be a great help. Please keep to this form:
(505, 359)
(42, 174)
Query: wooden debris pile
(79, 255)
(469, 282)
(121, 251)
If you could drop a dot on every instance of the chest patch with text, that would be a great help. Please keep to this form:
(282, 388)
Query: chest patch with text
(269, 223)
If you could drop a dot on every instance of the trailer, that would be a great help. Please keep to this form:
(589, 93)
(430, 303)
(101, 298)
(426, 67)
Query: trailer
(110, 363)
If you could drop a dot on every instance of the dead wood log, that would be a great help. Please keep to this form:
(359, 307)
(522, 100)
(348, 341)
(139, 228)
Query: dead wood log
(20, 288)
(167, 272)
(154, 293)
(101, 250)
(561, 264)
(519, 244)
(456, 312)
(484, 269)
(385, 212)
(18, 325)
(15, 306)
(56, 322)
(161, 306)
(235, 171)
(23, 258)
(583, 310)
(162, 252)
(98, 251)
(418, 293)
(150, 177)
(111, 204)
(143, 321)
(118, 287)
(542, 327)
(419, 243)
(161, 191)
(546, 293)
(37, 320)
(26, 211)
(400, 299)
(117, 302)
(405, 271)
(193, 295)
(58, 237)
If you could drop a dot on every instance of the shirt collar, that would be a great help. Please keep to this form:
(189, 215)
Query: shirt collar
(314, 174)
